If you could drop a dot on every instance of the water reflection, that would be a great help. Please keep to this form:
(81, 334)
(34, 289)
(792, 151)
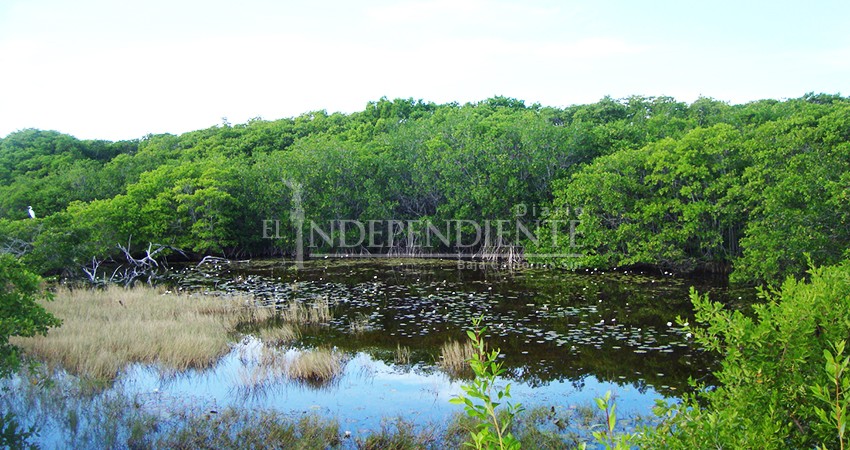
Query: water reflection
(368, 391)
(566, 339)
(552, 326)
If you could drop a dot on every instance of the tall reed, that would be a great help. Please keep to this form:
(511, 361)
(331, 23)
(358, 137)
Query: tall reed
(454, 357)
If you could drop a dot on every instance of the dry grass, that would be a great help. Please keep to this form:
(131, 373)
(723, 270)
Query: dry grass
(266, 365)
(402, 355)
(318, 367)
(316, 313)
(261, 370)
(105, 330)
(454, 356)
(277, 335)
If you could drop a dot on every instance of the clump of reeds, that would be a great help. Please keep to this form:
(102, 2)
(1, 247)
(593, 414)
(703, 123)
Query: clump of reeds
(402, 355)
(359, 324)
(261, 368)
(454, 356)
(106, 330)
(317, 312)
(269, 365)
(318, 367)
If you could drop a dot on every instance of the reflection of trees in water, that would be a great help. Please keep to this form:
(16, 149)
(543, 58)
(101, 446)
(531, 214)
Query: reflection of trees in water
(579, 318)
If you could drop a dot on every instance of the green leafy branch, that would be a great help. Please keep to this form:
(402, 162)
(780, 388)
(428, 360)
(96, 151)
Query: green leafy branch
(492, 430)
(835, 393)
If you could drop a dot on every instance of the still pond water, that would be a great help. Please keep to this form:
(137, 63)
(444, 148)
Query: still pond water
(566, 337)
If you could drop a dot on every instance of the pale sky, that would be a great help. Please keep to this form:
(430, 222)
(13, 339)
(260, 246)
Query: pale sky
(111, 69)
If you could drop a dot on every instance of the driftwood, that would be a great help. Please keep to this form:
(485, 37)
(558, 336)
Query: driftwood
(147, 267)
(91, 272)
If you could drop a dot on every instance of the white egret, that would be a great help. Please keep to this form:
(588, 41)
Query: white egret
(31, 212)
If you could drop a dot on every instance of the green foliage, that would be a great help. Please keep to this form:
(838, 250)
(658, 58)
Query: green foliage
(20, 314)
(772, 387)
(835, 394)
(753, 187)
(13, 436)
(492, 430)
(608, 437)
(48, 170)
(668, 204)
(652, 181)
(797, 194)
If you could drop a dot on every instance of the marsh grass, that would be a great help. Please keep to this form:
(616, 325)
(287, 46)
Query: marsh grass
(359, 323)
(454, 356)
(239, 429)
(73, 419)
(266, 366)
(261, 370)
(316, 313)
(121, 419)
(105, 330)
(402, 355)
(317, 368)
(277, 334)
(400, 434)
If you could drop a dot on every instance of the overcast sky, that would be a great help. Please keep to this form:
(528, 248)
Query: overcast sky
(106, 69)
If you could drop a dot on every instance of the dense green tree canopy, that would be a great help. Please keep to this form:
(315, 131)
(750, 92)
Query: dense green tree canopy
(702, 186)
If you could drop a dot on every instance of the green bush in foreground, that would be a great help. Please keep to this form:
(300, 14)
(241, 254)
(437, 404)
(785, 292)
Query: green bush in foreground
(492, 430)
(782, 382)
(20, 315)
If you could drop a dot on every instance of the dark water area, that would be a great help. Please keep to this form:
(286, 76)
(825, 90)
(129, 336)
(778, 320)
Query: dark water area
(551, 325)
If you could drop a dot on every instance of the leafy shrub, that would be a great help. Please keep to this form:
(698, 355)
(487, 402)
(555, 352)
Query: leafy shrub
(20, 314)
(491, 430)
(772, 376)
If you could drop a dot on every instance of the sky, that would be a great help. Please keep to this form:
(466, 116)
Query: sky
(105, 69)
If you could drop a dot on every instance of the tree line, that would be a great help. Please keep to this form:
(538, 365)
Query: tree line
(751, 189)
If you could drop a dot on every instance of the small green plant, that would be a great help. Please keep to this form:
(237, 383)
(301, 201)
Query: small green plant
(766, 393)
(492, 429)
(607, 437)
(835, 393)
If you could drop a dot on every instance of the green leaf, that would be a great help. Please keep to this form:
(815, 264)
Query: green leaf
(600, 403)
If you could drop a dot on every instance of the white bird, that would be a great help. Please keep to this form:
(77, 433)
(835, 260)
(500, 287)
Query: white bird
(31, 212)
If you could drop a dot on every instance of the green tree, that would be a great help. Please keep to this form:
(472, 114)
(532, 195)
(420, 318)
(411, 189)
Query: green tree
(669, 204)
(796, 193)
(20, 313)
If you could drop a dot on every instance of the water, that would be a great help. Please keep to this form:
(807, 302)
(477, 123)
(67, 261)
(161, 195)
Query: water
(565, 338)
(552, 326)
(368, 392)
